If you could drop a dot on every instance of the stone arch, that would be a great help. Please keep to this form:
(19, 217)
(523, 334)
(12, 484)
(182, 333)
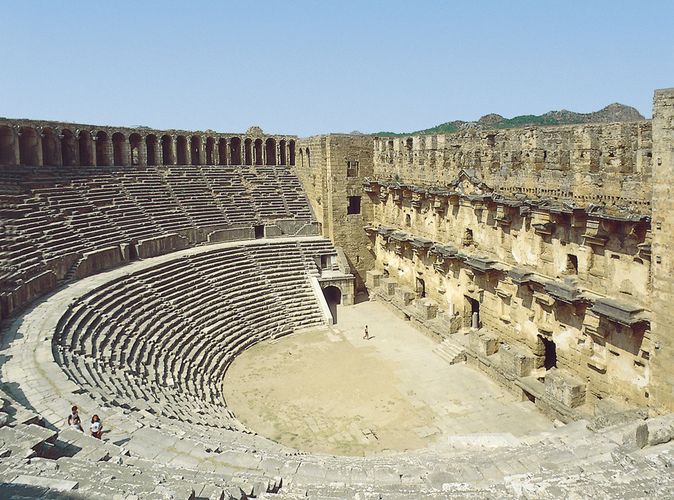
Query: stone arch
(84, 145)
(168, 157)
(69, 148)
(270, 151)
(135, 142)
(118, 149)
(282, 152)
(308, 158)
(333, 297)
(301, 158)
(50, 152)
(29, 153)
(222, 151)
(291, 152)
(248, 151)
(257, 150)
(181, 147)
(151, 149)
(195, 150)
(235, 151)
(103, 149)
(7, 146)
(210, 150)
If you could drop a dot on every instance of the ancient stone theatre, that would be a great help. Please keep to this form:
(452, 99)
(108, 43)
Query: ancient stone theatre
(207, 293)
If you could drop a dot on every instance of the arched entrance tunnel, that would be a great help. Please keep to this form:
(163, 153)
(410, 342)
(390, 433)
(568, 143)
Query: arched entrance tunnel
(333, 296)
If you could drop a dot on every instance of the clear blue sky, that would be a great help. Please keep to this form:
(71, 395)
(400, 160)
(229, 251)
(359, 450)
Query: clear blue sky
(307, 67)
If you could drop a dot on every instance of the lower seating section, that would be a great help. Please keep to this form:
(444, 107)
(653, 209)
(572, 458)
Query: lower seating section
(53, 216)
(162, 338)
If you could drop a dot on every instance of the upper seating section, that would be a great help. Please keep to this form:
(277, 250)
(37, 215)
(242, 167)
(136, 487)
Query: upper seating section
(77, 199)
(52, 216)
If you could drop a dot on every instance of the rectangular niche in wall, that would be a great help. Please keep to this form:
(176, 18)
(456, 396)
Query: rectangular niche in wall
(353, 206)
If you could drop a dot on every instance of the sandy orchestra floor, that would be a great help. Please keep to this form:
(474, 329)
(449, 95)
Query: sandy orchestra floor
(331, 391)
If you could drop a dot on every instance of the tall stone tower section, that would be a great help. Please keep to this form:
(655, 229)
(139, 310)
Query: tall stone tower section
(332, 169)
(662, 362)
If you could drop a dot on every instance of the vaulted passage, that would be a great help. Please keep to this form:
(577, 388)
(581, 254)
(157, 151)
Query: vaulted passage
(333, 296)
(103, 150)
(248, 152)
(7, 148)
(182, 155)
(135, 143)
(270, 151)
(167, 150)
(51, 150)
(119, 149)
(151, 147)
(29, 150)
(84, 144)
(69, 148)
(235, 150)
(258, 152)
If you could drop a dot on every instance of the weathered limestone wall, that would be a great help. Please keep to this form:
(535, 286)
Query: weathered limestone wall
(329, 182)
(662, 360)
(548, 230)
(607, 355)
(540, 240)
(601, 163)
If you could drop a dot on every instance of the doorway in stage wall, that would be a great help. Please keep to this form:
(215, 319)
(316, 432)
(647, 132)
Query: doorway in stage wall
(333, 296)
(471, 313)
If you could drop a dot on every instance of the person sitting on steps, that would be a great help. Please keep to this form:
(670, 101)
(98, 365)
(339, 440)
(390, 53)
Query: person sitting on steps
(96, 427)
(74, 420)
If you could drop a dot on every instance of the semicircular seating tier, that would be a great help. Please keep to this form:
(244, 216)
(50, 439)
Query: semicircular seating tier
(161, 339)
(62, 223)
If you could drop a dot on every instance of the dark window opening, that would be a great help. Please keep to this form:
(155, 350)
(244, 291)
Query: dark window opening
(352, 168)
(354, 205)
(571, 264)
(468, 237)
(421, 288)
(259, 232)
(471, 313)
(550, 353)
(408, 220)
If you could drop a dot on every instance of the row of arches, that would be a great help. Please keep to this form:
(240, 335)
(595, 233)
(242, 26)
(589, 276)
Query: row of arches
(53, 147)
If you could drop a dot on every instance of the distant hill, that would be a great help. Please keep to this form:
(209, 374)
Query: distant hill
(615, 112)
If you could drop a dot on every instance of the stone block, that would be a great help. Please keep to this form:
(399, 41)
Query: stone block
(660, 429)
(404, 295)
(517, 361)
(389, 286)
(483, 343)
(373, 279)
(564, 388)
(636, 436)
(428, 308)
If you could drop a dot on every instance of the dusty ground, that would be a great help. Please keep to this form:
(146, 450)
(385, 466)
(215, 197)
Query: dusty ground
(331, 391)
